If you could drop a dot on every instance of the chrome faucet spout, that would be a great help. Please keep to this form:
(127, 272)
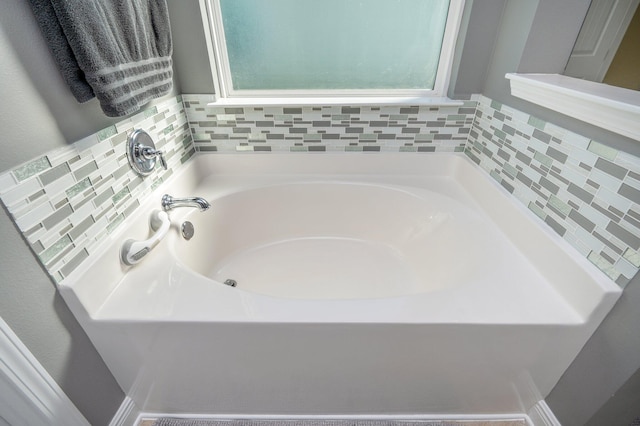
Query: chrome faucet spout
(169, 202)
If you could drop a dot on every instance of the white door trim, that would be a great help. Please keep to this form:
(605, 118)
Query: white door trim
(29, 394)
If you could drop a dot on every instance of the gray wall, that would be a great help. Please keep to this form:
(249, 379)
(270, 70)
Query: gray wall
(191, 60)
(38, 114)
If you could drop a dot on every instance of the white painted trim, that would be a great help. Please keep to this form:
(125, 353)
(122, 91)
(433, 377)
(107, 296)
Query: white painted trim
(216, 44)
(541, 415)
(127, 415)
(209, 38)
(608, 107)
(29, 393)
(335, 100)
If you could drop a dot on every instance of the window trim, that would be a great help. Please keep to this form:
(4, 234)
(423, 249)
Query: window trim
(225, 94)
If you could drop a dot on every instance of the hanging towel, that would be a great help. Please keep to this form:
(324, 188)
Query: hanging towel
(116, 50)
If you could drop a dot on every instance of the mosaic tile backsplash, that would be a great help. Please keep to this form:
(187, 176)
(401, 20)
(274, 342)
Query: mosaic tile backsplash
(328, 128)
(585, 191)
(67, 201)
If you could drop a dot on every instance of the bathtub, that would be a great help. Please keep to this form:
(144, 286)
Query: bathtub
(383, 284)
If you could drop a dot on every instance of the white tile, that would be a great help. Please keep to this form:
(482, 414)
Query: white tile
(86, 143)
(626, 268)
(574, 174)
(33, 216)
(588, 240)
(124, 126)
(21, 192)
(604, 179)
(60, 185)
(628, 161)
(7, 182)
(59, 156)
(578, 155)
(582, 248)
(614, 199)
(576, 140)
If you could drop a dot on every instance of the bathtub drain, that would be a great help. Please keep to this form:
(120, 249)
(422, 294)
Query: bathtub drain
(231, 282)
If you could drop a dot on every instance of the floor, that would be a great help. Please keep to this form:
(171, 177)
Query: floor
(514, 422)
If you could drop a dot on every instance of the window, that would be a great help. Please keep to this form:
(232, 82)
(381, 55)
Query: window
(289, 48)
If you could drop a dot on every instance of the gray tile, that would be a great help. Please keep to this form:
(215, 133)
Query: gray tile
(550, 186)
(604, 211)
(542, 136)
(582, 221)
(611, 168)
(560, 230)
(36, 195)
(523, 158)
(629, 193)
(433, 149)
(37, 247)
(80, 228)
(626, 236)
(580, 193)
(130, 209)
(321, 123)
(103, 196)
(55, 173)
(557, 155)
(57, 217)
(74, 263)
(351, 110)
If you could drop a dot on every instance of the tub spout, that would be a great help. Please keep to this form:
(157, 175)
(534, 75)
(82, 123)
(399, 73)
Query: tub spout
(169, 202)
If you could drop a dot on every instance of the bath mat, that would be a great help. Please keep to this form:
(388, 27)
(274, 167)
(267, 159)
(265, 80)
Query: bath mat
(318, 422)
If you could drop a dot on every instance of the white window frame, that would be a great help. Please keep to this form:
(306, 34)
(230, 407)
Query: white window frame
(225, 94)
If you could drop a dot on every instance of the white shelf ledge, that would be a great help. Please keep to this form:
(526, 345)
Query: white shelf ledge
(337, 100)
(602, 105)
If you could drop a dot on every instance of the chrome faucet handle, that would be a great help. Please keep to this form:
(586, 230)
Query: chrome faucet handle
(142, 153)
(150, 153)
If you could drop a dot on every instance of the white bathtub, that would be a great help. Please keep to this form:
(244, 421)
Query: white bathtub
(366, 284)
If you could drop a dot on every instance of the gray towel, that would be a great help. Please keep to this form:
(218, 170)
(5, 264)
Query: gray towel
(116, 50)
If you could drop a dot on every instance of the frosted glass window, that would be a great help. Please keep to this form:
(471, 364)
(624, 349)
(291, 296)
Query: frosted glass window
(333, 44)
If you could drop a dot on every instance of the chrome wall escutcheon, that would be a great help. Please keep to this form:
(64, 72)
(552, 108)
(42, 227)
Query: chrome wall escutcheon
(142, 153)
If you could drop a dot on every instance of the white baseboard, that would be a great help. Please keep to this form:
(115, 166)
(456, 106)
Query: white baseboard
(127, 414)
(406, 417)
(541, 415)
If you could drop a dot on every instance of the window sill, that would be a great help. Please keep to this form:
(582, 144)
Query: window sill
(361, 100)
(607, 107)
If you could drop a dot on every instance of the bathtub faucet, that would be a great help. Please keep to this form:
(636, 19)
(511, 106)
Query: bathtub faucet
(168, 203)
